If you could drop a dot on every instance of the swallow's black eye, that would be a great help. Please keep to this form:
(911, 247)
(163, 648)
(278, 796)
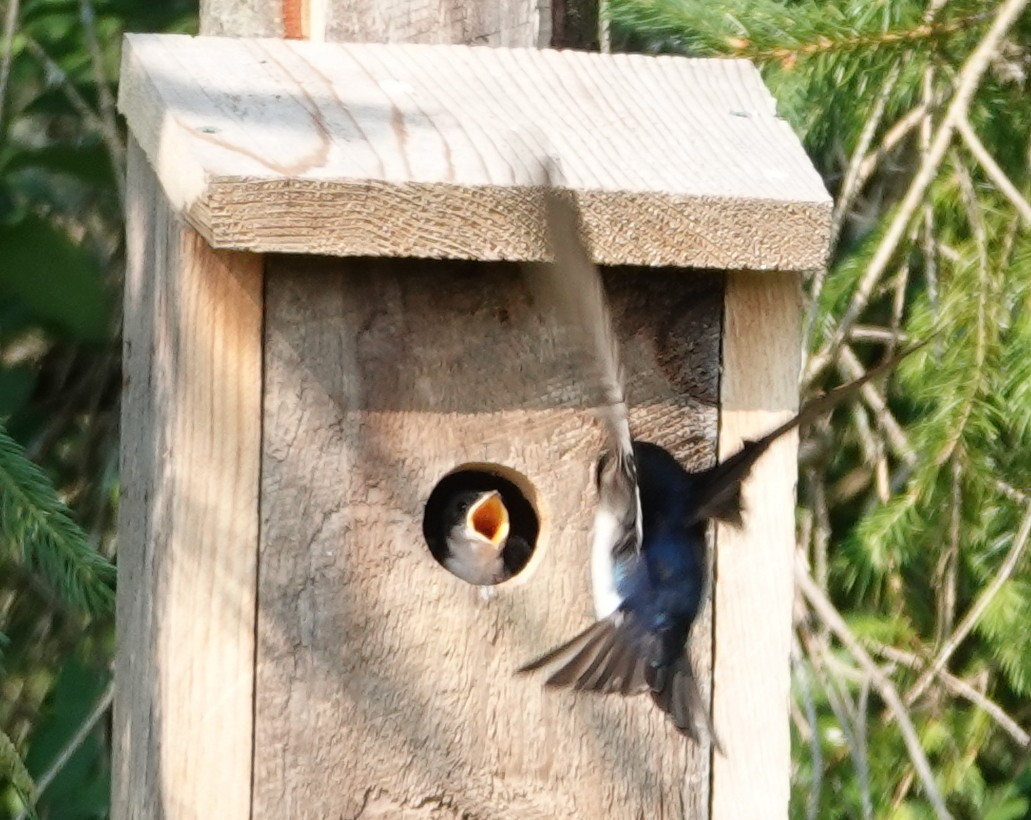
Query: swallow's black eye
(455, 493)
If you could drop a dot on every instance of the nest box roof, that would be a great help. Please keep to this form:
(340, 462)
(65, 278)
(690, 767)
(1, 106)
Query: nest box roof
(438, 151)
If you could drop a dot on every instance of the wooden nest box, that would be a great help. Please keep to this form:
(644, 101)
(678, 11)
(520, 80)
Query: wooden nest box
(325, 317)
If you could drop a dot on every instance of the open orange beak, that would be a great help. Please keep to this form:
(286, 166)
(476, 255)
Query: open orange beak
(489, 517)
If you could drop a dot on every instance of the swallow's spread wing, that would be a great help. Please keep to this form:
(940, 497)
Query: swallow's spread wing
(573, 289)
(604, 658)
(719, 488)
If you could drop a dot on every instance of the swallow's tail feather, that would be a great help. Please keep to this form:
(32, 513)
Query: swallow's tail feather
(675, 690)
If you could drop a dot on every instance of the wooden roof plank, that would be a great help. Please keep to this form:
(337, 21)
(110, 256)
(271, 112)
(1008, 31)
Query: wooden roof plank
(439, 151)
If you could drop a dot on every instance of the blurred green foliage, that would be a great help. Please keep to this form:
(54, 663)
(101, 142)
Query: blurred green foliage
(62, 150)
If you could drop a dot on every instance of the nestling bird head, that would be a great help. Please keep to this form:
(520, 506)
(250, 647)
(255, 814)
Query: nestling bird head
(477, 537)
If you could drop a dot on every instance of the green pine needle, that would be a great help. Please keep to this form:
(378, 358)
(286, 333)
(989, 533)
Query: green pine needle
(12, 770)
(36, 529)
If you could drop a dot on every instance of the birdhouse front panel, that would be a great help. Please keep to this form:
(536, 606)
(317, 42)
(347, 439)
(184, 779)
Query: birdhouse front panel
(384, 682)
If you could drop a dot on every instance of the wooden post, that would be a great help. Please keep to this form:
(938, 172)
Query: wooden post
(509, 23)
(188, 517)
(754, 590)
(288, 645)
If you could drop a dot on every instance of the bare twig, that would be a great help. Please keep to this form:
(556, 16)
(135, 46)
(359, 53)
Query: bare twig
(72, 746)
(945, 576)
(7, 52)
(963, 689)
(826, 611)
(852, 368)
(898, 306)
(836, 692)
(927, 232)
(991, 167)
(901, 129)
(863, 164)
(821, 531)
(881, 335)
(58, 75)
(975, 612)
(854, 180)
(108, 114)
(1011, 492)
(863, 770)
(805, 690)
(967, 81)
(858, 172)
(873, 450)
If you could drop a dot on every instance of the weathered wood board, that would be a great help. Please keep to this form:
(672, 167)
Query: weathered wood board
(188, 518)
(429, 151)
(488, 22)
(500, 23)
(384, 684)
(754, 593)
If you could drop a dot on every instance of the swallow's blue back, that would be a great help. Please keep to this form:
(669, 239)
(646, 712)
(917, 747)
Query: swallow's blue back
(664, 587)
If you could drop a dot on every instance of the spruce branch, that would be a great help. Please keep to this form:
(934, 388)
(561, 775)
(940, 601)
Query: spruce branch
(967, 82)
(821, 605)
(774, 31)
(975, 383)
(975, 612)
(906, 37)
(37, 529)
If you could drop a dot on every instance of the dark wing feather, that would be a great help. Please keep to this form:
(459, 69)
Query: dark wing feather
(719, 493)
(617, 656)
(606, 657)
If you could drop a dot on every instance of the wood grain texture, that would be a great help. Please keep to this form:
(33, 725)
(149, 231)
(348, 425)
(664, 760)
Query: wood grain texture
(511, 23)
(437, 151)
(495, 23)
(754, 586)
(188, 518)
(385, 685)
(241, 18)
